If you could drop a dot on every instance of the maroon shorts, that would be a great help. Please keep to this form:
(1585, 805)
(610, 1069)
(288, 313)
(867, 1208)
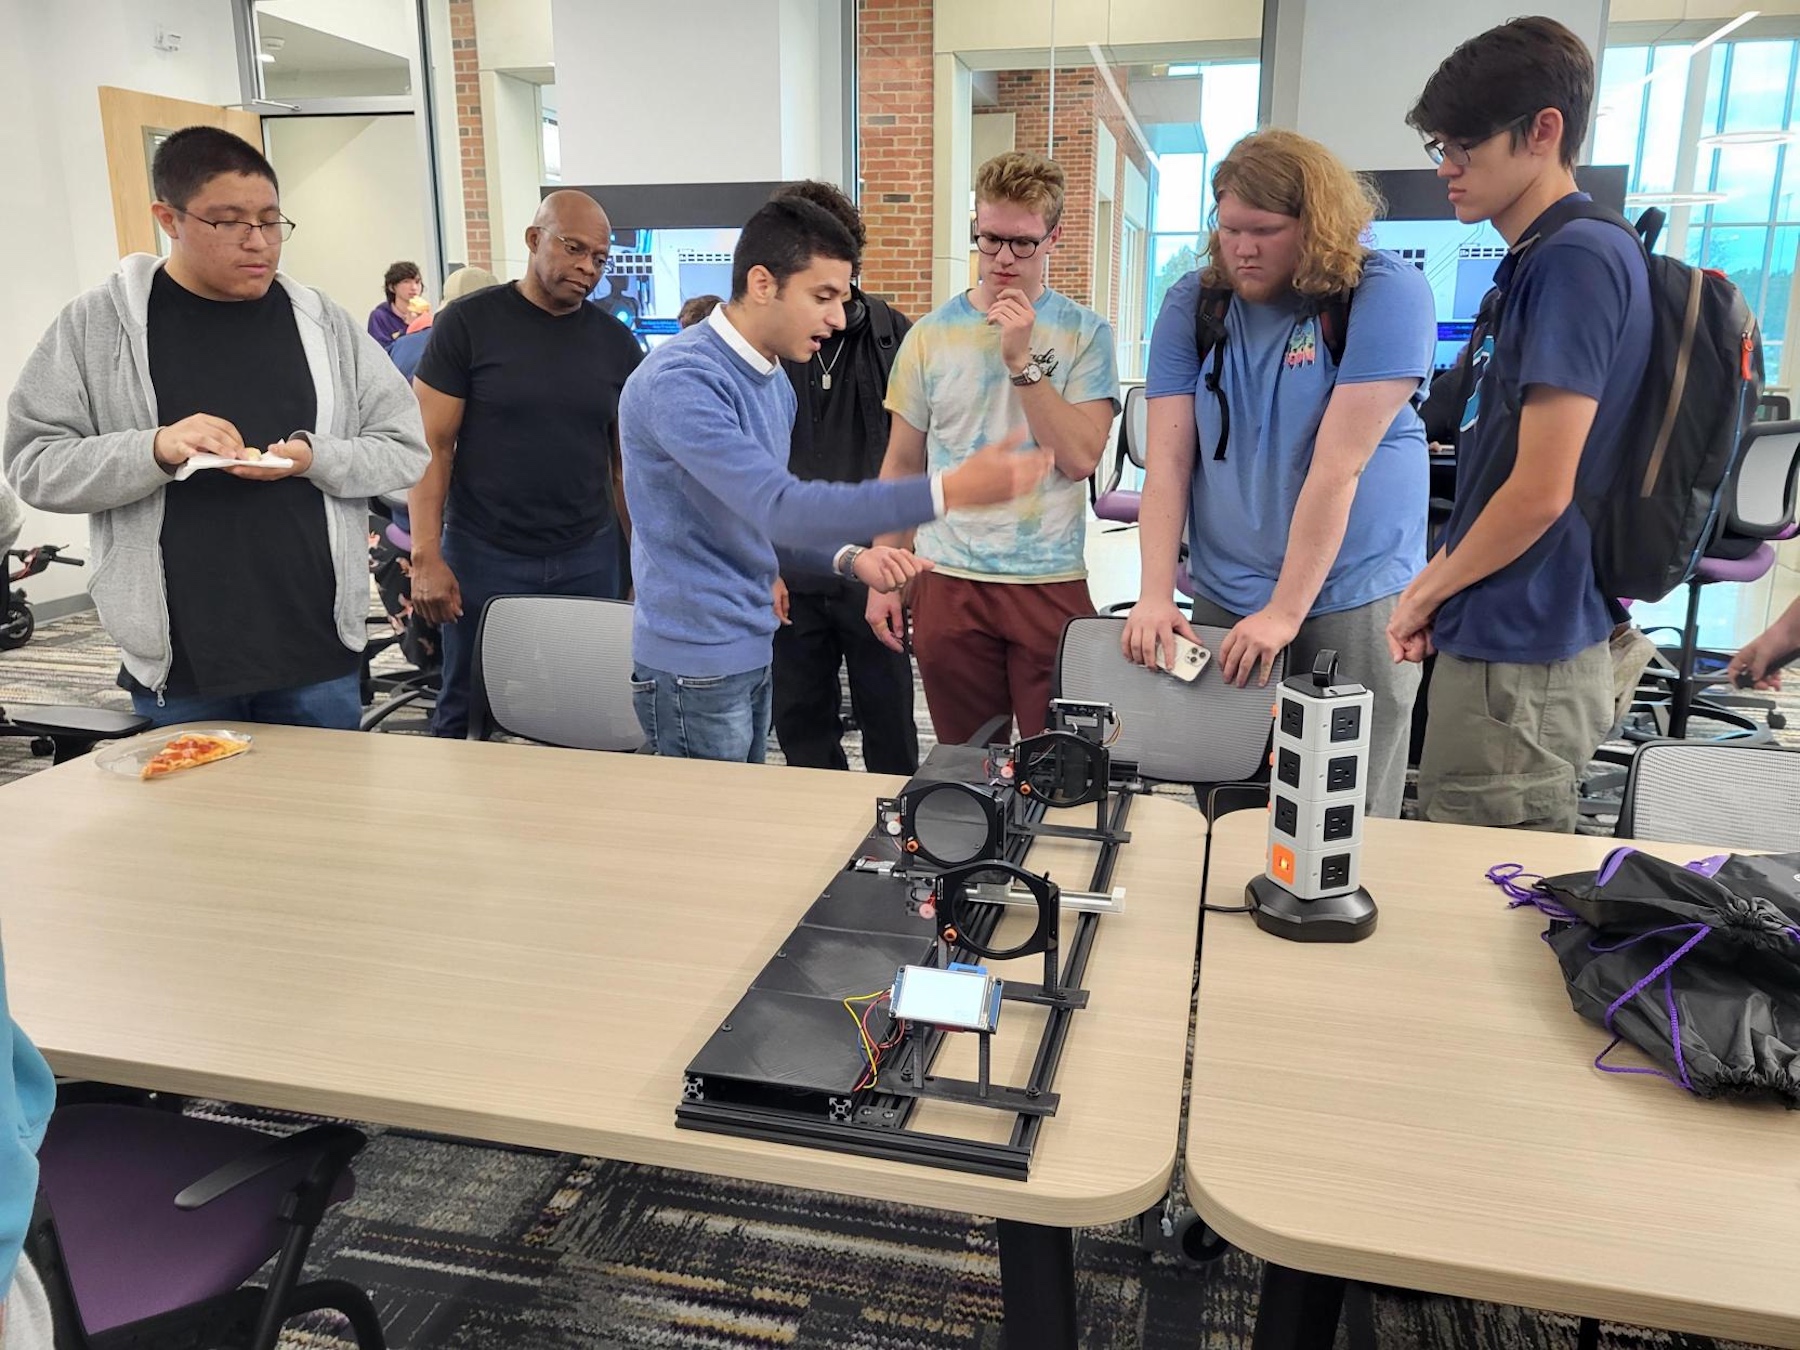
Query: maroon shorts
(987, 649)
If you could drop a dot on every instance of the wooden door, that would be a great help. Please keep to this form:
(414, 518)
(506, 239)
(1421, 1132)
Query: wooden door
(134, 125)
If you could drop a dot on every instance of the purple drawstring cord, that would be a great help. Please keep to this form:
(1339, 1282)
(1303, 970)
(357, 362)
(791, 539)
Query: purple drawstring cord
(1523, 888)
(1697, 934)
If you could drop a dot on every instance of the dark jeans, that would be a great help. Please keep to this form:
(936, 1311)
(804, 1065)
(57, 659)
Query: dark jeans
(593, 569)
(829, 630)
(336, 704)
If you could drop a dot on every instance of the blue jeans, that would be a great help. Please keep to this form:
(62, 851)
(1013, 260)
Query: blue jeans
(336, 704)
(594, 569)
(703, 716)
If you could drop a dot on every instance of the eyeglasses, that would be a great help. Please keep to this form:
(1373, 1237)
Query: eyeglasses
(573, 250)
(1458, 152)
(238, 231)
(990, 244)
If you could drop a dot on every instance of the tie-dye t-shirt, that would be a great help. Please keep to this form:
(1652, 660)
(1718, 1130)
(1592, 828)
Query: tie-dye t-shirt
(949, 381)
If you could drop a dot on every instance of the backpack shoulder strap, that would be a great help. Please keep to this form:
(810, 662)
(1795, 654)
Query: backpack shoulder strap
(881, 327)
(1209, 339)
(1334, 323)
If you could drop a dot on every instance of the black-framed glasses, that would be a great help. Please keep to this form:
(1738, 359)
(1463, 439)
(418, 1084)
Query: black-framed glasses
(990, 244)
(573, 250)
(238, 231)
(1437, 150)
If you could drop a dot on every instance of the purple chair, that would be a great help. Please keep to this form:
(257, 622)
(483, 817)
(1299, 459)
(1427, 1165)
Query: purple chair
(1113, 502)
(1756, 506)
(149, 1223)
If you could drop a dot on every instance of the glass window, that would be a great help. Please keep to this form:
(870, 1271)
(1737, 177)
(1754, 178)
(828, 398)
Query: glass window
(1757, 85)
(1779, 296)
(1663, 102)
(1739, 253)
(1621, 105)
(1172, 257)
(348, 51)
(1746, 175)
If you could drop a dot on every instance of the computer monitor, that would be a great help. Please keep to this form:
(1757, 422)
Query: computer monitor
(670, 243)
(1459, 260)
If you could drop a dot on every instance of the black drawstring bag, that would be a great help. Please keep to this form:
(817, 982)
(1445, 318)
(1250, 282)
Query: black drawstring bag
(1698, 966)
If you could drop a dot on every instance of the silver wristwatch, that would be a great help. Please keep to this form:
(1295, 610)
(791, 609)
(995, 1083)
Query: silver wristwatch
(1032, 373)
(846, 563)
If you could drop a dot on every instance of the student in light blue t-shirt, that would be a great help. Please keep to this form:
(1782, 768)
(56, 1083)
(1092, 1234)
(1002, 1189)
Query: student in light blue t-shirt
(1306, 519)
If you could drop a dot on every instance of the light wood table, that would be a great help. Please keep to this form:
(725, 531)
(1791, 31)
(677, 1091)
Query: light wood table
(1421, 1109)
(529, 945)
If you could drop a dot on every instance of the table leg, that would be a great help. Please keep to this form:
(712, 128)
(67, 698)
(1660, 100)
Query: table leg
(1297, 1310)
(1037, 1286)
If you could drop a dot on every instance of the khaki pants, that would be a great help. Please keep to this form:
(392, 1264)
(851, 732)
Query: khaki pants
(1359, 637)
(1505, 744)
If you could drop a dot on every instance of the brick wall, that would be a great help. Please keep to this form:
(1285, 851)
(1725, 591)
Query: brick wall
(471, 144)
(894, 82)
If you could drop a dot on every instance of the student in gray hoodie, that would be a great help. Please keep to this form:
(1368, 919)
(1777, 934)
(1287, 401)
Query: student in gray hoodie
(237, 591)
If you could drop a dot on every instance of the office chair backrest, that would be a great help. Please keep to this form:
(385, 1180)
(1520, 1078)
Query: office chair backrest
(1132, 424)
(1760, 502)
(1773, 408)
(1206, 732)
(1735, 796)
(555, 669)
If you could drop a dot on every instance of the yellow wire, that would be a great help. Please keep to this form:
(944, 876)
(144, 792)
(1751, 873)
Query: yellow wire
(862, 1034)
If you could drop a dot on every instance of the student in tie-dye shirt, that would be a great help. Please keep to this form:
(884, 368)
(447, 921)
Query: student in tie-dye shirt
(1010, 357)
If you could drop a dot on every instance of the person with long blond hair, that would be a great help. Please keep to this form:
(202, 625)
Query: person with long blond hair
(1292, 455)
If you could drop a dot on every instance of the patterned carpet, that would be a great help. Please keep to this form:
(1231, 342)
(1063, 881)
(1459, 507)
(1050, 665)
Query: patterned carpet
(465, 1246)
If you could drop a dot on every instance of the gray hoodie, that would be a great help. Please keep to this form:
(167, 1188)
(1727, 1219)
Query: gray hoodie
(82, 420)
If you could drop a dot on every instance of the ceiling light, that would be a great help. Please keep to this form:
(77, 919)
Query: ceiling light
(1682, 62)
(1186, 68)
(1637, 199)
(1770, 136)
(265, 56)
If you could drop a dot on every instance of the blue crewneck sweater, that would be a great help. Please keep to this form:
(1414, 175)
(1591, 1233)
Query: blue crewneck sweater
(705, 441)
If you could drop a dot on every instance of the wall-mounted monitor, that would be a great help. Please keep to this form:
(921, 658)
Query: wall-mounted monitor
(670, 243)
(1459, 260)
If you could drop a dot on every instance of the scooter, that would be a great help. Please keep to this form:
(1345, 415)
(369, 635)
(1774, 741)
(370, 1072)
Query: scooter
(19, 622)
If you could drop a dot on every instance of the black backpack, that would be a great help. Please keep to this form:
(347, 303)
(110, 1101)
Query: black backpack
(1651, 523)
(1332, 312)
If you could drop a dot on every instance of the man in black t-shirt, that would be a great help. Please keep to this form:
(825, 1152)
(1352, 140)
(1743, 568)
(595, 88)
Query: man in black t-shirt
(520, 392)
(841, 435)
(236, 590)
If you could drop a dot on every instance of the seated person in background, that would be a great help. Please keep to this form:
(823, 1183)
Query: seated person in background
(520, 390)
(405, 301)
(706, 423)
(1526, 684)
(1310, 520)
(241, 593)
(1757, 660)
(696, 309)
(409, 348)
(27, 1095)
(1009, 357)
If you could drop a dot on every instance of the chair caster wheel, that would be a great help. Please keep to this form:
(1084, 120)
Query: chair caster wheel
(1777, 721)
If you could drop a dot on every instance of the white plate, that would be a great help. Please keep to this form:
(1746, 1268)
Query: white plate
(192, 466)
(127, 758)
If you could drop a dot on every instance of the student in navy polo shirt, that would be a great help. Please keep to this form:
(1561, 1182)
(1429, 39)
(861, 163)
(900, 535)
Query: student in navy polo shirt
(1522, 693)
(1310, 520)
(705, 423)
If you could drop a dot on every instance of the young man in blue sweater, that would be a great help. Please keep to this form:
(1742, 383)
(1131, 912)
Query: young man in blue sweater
(705, 425)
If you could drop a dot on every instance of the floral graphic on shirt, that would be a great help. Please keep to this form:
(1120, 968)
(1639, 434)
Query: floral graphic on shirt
(1302, 348)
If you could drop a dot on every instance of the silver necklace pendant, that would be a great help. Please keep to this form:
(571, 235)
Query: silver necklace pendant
(825, 381)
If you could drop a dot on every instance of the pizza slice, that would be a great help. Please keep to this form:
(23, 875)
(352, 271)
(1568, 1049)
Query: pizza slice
(190, 749)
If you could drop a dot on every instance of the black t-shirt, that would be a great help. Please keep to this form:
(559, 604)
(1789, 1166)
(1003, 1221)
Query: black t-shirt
(247, 565)
(541, 404)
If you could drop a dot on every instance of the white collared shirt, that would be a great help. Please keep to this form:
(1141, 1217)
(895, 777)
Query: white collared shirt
(739, 344)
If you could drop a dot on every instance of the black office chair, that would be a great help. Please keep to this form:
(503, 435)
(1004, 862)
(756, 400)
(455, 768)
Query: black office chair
(62, 732)
(1757, 507)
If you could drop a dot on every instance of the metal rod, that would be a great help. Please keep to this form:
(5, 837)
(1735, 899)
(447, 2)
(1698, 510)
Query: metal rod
(984, 1056)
